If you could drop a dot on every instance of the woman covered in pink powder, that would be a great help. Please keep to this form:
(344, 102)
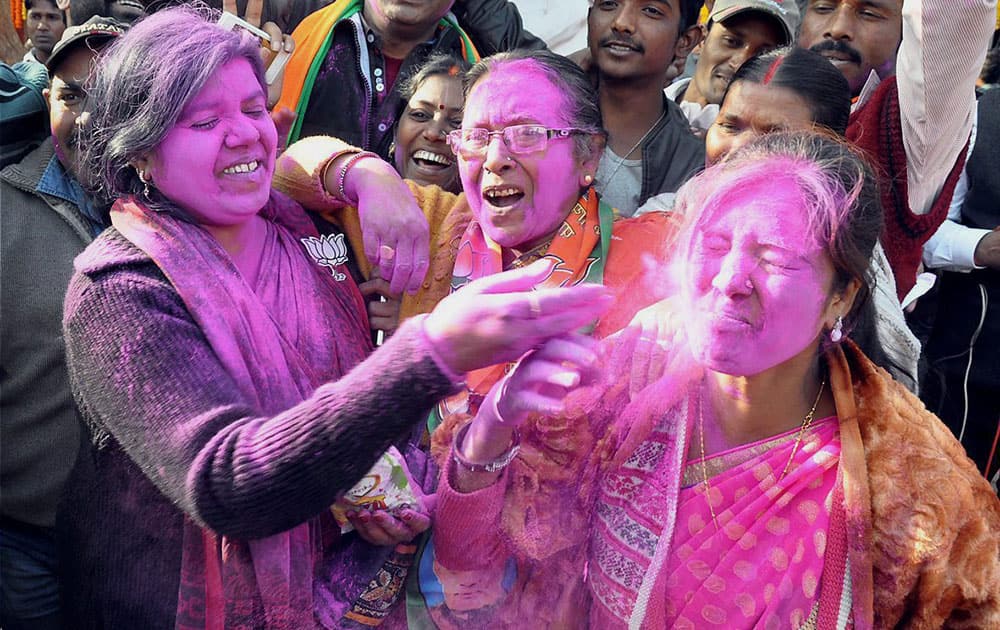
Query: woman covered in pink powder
(217, 350)
(763, 474)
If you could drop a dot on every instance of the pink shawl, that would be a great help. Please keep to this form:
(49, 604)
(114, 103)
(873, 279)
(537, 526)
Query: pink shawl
(295, 330)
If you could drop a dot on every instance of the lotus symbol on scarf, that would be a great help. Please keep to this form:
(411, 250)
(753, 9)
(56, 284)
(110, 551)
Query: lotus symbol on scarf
(329, 250)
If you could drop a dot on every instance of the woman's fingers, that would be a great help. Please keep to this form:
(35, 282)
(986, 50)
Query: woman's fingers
(383, 528)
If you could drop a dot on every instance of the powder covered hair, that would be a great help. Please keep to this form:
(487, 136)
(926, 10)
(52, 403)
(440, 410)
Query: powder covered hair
(143, 82)
(579, 95)
(839, 193)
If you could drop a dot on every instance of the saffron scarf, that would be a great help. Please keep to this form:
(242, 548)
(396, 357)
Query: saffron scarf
(579, 250)
(313, 37)
(298, 328)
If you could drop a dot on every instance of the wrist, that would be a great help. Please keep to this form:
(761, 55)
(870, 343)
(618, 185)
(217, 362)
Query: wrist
(442, 362)
(361, 174)
(338, 174)
(987, 253)
(489, 451)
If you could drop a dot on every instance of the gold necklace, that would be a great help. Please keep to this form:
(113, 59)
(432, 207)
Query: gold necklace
(806, 423)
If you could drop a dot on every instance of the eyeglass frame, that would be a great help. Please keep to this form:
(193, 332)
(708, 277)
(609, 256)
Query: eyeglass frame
(455, 138)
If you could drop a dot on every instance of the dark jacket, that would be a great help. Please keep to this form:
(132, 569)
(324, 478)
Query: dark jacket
(40, 235)
(346, 100)
(671, 156)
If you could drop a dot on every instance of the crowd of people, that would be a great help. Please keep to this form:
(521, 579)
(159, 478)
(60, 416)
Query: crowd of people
(358, 313)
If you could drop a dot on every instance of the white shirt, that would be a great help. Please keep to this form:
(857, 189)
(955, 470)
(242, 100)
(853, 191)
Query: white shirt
(700, 118)
(939, 59)
(953, 246)
(561, 24)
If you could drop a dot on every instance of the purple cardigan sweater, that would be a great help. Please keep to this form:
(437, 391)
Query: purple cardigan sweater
(158, 404)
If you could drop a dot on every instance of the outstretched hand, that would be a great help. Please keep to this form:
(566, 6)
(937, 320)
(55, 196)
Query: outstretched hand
(541, 380)
(499, 318)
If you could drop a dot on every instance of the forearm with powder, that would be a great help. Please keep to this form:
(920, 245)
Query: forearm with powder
(206, 448)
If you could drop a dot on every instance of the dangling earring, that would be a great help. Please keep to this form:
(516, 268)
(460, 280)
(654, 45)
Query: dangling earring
(837, 333)
(392, 152)
(145, 179)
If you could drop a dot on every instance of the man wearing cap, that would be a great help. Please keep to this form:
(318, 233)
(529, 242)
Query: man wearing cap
(736, 31)
(912, 67)
(47, 220)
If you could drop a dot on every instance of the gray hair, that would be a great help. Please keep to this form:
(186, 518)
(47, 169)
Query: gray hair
(583, 110)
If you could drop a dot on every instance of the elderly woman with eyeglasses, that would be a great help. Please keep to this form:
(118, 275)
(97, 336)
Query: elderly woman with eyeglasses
(527, 160)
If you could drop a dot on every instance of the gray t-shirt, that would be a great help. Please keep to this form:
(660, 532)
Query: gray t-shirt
(619, 183)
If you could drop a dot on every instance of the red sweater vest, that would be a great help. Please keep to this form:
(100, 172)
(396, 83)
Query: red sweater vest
(876, 128)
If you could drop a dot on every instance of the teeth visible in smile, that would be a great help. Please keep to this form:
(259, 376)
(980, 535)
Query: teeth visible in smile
(247, 167)
(437, 158)
(502, 192)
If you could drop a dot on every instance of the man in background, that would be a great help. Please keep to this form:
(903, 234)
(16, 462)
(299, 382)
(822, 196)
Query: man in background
(47, 220)
(43, 28)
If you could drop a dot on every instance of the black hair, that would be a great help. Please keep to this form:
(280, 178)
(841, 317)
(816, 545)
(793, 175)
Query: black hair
(30, 4)
(991, 68)
(436, 64)
(808, 74)
(690, 9)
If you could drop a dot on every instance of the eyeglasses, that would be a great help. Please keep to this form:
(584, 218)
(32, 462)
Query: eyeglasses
(519, 139)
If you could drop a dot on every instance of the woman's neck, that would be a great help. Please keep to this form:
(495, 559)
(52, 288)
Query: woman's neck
(244, 243)
(738, 410)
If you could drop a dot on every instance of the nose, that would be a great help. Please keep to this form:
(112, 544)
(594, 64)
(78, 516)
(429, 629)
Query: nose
(435, 131)
(733, 278)
(497, 156)
(242, 131)
(740, 56)
(740, 139)
(624, 21)
(840, 24)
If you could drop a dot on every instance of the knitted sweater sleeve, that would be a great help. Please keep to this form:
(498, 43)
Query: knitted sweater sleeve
(147, 381)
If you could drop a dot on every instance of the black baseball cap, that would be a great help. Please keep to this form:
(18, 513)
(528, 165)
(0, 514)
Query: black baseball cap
(95, 33)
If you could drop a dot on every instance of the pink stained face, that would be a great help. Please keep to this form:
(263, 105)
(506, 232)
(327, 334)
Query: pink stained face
(216, 162)
(758, 284)
(520, 200)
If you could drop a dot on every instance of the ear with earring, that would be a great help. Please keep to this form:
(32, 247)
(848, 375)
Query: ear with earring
(146, 181)
(837, 332)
